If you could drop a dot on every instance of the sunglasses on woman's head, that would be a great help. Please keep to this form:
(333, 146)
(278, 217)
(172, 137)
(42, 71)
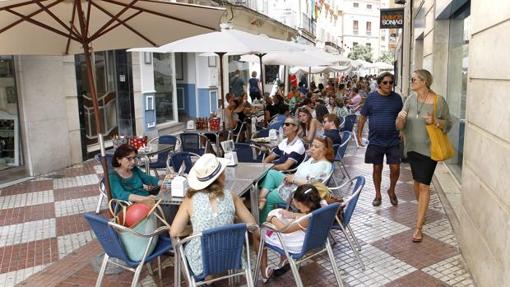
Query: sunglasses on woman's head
(288, 124)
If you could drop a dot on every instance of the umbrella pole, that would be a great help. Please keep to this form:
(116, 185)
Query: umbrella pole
(263, 81)
(93, 93)
(222, 92)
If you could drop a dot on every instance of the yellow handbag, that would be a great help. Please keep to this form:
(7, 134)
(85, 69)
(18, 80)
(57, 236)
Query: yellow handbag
(440, 147)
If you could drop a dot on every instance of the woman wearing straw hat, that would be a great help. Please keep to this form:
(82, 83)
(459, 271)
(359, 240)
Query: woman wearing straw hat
(207, 205)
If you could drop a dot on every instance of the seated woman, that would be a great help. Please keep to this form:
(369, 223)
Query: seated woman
(317, 168)
(291, 151)
(306, 199)
(127, 181)
(311, 127)
(207, 205)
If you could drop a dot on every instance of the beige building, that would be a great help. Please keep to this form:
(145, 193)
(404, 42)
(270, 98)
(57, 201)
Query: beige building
(465, 46)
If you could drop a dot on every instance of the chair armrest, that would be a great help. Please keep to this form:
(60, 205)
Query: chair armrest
(158, 231)
(270, 226)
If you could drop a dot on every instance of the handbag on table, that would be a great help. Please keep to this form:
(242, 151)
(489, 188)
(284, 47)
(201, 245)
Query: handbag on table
(440, 146)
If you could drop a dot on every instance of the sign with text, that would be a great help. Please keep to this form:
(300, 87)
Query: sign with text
(392, 18)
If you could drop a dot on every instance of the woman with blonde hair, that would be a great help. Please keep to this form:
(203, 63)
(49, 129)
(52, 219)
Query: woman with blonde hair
(207, 205)
(418, 112)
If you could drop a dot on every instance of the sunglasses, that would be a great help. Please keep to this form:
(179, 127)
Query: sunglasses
(414, 79)
(387, 82)
(288, 124)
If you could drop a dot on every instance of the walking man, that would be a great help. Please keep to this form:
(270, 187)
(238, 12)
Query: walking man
(381, 108)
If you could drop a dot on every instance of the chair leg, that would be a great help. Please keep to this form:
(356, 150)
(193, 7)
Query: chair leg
(354, 249)
(333, 264)
(345, 169)
(259, 259)
(102, 270)
(159, 268)
(354, 237)
(137, 275)
(295, 272)
(99, 201)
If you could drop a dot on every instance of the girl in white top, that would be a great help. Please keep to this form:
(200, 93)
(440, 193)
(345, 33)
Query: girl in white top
(311, 127)
(306, 199)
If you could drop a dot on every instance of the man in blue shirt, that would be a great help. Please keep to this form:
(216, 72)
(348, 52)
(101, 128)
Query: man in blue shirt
(381, 108)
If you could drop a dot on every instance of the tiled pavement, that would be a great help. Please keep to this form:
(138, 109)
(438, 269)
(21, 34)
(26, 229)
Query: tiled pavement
(42, 232)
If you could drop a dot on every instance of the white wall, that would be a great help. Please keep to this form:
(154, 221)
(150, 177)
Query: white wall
(49, 112)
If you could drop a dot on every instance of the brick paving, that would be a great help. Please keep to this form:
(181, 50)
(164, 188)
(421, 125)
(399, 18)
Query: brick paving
(44, 240)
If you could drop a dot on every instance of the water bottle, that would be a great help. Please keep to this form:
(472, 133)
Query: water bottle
(280, 133)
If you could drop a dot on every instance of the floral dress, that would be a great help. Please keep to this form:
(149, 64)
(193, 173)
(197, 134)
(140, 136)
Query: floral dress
(203, 217)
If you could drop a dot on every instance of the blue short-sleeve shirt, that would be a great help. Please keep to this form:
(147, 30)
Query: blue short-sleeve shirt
(382, 112)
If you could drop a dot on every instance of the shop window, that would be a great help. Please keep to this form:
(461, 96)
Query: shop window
(10, 144)
(163, 84)
(458, 63)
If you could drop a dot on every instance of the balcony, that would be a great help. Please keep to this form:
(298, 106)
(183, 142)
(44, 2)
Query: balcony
(308, 24)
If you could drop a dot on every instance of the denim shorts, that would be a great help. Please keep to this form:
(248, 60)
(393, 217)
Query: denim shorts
(375, 154)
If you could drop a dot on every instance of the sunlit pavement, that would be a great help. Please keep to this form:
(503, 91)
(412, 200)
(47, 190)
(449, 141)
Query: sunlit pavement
(45, 240)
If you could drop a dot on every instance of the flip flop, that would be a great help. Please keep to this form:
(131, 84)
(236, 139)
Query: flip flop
(266, 275)
(417, 239)
(376, 202)
(393, 199)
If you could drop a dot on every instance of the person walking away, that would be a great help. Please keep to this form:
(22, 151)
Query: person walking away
(418, 112)
(254, 85)
(381, 108)
(237, 85)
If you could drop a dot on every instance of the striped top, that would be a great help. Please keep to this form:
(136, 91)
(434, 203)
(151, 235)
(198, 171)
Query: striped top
(382, 112)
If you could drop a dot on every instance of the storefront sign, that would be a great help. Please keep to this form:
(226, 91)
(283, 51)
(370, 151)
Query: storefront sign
(392, 18)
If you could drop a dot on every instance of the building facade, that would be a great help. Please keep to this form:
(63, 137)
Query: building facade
(464, 44)
(361, 26)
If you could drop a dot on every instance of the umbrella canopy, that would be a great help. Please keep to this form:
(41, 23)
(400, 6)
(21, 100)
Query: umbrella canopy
(231, 41)
(62, 27)
(107, 25)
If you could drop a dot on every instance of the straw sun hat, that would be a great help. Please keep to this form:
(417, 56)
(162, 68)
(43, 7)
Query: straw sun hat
(205, 171)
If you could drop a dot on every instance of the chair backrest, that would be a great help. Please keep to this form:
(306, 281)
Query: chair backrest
(178, 158)
(162, 156)
(107, 236)
(340, 151)
(109, 158)
(222, 248)
(263, 133)
(350, 120)
(319, 225)
(353, 199)
(190, 142)
(245, 153)
(342, 122)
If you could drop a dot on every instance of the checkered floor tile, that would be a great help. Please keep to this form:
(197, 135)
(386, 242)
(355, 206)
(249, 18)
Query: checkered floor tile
(41, 225)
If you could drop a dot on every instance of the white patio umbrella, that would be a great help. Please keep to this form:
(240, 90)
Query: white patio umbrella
(231, 41)
(64, 27)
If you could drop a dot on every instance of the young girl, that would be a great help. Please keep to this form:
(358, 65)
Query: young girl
(306, 199)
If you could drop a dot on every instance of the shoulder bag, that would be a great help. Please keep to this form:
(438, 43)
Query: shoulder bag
(440, 147)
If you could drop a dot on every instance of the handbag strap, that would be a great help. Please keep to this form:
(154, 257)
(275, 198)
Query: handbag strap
(434, 114)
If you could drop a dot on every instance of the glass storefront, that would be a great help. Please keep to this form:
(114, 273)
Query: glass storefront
(10, 136)
(458, 48)
(112, 73)
(163, 84)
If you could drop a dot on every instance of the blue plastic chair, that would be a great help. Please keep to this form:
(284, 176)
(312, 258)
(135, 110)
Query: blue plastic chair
(108, 238)
(222, 249)
(245, 153)
(349, 205)
(316, 242)
(176, 160)
(349, 122)
(190, 142)
(108, 156)
(263, 133)
(163, 156)
(340, 153)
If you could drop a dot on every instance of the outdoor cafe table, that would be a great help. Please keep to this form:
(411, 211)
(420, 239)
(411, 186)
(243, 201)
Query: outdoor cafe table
(241, 178)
